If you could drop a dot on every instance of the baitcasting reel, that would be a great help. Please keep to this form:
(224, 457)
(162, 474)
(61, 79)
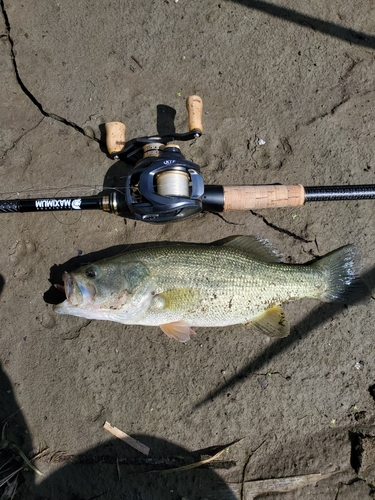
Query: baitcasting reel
(163, 186)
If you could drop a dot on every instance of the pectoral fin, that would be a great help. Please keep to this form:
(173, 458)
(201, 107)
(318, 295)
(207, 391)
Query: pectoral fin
(178, 330)
(272, 322)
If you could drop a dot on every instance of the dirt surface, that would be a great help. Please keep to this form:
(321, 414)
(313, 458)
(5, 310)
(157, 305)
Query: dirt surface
(288, 98)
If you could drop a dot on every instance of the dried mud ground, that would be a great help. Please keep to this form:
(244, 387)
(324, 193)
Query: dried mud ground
(288, 92)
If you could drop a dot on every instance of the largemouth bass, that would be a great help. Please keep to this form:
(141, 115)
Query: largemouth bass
(236, 280)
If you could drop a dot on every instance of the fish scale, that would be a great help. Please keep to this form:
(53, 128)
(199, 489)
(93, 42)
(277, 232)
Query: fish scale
(176, 287)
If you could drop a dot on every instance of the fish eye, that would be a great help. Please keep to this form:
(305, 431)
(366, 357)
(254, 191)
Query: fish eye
(92, 272)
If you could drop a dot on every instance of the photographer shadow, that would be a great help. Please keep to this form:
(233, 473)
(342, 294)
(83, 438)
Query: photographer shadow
(112, 470)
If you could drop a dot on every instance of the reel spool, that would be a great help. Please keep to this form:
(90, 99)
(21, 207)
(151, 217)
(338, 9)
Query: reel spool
(173, 183)
(164, 188)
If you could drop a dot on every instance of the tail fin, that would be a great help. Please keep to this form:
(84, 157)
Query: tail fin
(341, 271)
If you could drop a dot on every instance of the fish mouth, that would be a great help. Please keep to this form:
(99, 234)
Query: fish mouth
(67, 288)
(71, 289)
(68, 285)
(76, 292)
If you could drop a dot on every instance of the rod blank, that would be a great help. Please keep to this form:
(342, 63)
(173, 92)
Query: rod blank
(52, 204)
(215, 199)
(332, 193)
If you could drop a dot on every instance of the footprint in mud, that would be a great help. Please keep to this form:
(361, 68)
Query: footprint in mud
(47, 320)
(270, 154)
(200, 151)
(24, 258)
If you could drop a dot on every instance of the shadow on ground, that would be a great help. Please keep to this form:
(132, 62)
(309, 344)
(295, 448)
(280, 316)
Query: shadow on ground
(315, 318)
(325, 27)
(112, 470)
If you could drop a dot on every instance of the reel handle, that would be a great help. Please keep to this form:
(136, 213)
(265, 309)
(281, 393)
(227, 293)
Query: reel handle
(268, 196)
(115, 137)
(194, 107)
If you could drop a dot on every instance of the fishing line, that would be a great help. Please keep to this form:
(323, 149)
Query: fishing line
(162, 185)
(53, 190)
(68, 215)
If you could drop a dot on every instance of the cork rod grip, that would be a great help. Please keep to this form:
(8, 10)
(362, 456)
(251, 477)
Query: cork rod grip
(194, 108)
(256, 197)
(115, 137)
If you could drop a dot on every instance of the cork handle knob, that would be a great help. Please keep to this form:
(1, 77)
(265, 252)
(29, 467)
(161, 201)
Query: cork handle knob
(115, 137)
(194, 108)
(257, 197)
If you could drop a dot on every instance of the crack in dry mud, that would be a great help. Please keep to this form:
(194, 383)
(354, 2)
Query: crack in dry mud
(331, 112)
(77, 332)
(225, 220)
(22, 85)
(269, 224)
(280, 229)
(361, 456)
(16, 141)
(244, 469)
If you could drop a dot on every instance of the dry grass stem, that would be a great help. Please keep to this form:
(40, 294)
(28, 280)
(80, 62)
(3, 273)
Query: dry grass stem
(126, 438)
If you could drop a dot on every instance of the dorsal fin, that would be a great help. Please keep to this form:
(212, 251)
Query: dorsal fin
(259, 248)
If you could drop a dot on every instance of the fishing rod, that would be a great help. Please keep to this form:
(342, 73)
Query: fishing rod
(163, 186)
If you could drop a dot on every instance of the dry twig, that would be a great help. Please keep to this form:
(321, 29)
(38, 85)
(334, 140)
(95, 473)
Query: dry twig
(126, 438)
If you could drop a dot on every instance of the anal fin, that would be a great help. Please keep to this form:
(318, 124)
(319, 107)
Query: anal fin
(271, 322)
(178, 330)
